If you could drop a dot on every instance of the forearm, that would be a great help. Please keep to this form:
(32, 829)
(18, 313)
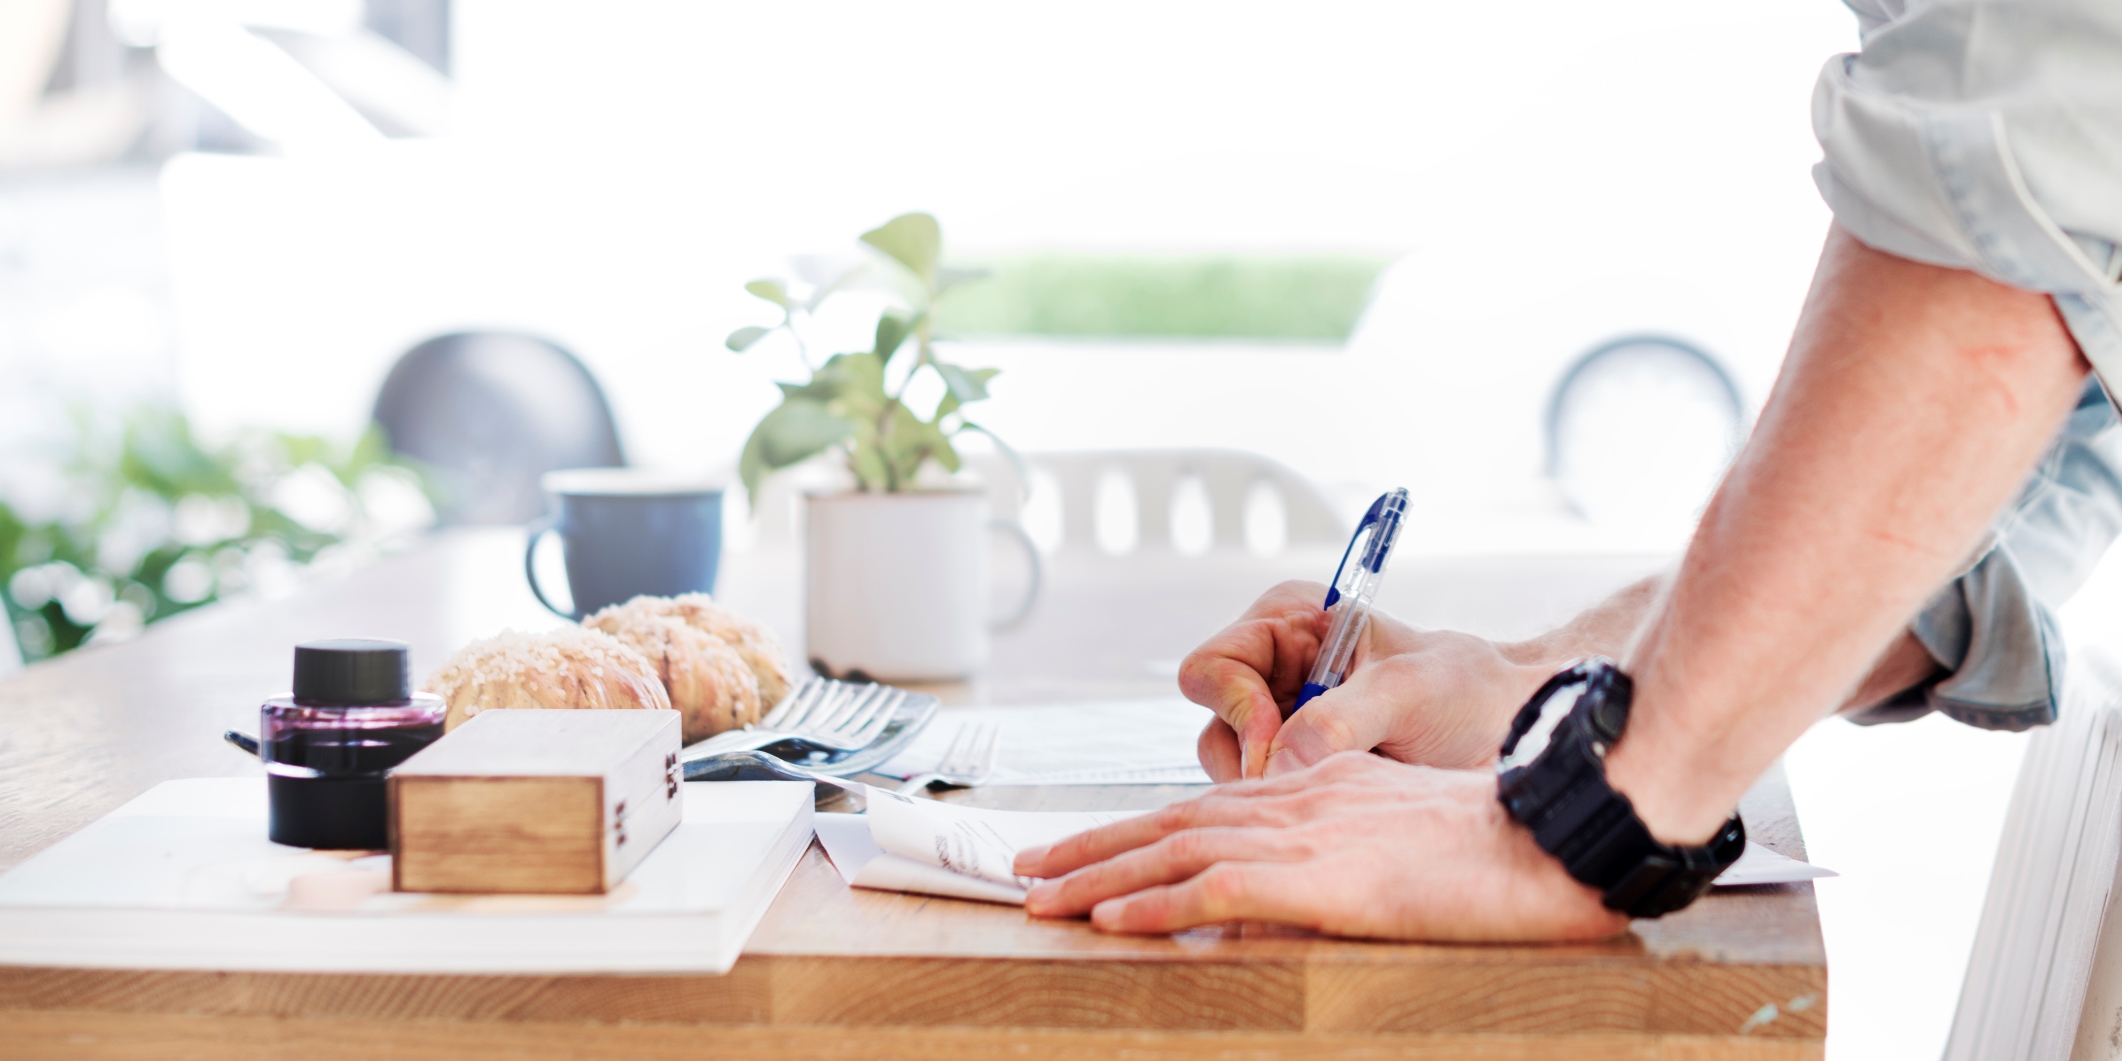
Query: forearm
(1912, 403)
(1606, 628)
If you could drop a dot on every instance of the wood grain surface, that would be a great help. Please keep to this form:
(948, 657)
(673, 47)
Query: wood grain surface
(836, 972)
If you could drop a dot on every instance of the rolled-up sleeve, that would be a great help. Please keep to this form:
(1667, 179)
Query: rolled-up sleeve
(1993, 629)
(1987, 135)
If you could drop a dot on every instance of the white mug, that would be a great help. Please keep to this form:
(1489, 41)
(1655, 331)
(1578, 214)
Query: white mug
(896, 585)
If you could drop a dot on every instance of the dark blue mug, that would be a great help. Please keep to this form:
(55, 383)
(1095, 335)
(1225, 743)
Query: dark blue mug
(628, 532)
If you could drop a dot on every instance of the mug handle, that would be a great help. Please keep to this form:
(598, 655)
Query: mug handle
(1023, 609)
(545, 525)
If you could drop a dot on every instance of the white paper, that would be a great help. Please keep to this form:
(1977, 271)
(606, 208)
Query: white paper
(1759, 865)
(922, 845)
(1109, 742)
(934, 848)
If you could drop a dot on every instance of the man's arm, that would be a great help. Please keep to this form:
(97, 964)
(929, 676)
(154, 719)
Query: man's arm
(1914, 400)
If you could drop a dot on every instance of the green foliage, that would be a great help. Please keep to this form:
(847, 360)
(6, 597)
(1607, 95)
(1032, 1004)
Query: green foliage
(856, 402)
(1228, 297)
(153, 522)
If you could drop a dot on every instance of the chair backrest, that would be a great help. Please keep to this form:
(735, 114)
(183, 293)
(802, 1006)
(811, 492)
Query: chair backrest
(1229, 477)
(487, 414)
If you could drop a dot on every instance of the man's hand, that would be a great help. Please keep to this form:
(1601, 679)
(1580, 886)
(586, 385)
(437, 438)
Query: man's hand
(1355, 846)
(1434, 697)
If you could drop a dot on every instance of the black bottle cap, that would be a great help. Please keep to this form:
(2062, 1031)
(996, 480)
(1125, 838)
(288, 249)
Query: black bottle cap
(351, 671)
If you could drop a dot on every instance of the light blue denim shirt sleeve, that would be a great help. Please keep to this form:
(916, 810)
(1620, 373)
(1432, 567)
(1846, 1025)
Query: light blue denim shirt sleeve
(1994, 629)
(1987, 135)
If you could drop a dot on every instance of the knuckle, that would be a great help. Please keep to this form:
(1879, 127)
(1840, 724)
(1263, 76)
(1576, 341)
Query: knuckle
(1224, 885)
(1335, 729)
(1177, 816)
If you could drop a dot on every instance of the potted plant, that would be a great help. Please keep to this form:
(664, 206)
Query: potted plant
(896, 568)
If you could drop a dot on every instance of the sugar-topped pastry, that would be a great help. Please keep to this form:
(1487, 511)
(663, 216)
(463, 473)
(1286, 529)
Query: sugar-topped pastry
(760, 650)
(705, 676)
(565, 668)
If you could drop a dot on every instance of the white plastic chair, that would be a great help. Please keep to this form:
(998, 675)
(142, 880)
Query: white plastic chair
(1229, 476)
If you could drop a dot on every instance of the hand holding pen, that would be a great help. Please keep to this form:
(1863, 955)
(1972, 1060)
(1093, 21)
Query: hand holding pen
(1349, 598)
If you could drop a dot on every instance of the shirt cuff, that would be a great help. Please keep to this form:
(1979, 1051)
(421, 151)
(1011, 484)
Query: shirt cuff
(2001, 648)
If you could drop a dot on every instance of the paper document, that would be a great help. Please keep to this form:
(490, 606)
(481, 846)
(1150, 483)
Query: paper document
(1110, 742)
(1759, 865)
(906, 844)
(921, 845)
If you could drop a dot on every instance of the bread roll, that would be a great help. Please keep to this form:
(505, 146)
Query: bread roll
(565, 668)
(707, 680)
(760, 650)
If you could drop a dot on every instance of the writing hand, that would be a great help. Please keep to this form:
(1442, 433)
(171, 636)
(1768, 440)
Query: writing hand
(1434, 697)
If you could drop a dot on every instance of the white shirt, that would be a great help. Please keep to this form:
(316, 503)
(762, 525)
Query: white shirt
(1987, 135)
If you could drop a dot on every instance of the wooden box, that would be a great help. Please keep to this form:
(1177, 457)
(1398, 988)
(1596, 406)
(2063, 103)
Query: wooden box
(535, 801)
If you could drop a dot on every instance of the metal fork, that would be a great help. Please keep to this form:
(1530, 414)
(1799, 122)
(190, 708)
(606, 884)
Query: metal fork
(967, 763)
(821, 712)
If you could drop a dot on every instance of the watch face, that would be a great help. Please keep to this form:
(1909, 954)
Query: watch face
(1536, 739)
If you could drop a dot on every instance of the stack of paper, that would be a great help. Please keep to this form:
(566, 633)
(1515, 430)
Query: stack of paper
(933, 848)
(2033, 977)
(1113, 742)
(184, 878)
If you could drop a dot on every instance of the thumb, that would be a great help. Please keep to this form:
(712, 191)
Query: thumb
(1339, 720)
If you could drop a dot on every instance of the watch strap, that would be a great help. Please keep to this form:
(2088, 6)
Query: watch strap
(1574, 814)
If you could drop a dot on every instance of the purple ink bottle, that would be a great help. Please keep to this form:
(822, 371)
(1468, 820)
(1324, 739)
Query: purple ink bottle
(326, 746)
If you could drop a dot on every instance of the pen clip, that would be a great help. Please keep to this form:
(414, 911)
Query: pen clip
(1333, 589)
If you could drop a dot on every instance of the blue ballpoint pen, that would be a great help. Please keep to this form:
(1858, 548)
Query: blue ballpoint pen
(1349, 598)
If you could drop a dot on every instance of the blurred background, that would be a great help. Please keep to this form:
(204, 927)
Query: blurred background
(1537, 262)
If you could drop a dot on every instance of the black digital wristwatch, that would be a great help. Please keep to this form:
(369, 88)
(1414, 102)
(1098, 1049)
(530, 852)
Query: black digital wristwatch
(1551, 777)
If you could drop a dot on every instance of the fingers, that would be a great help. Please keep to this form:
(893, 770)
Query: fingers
(1239, 696)
(1096, 845)
(1226, 891)
(1250, 668)
(1274, 801)
(1218, 751)
(1168, 861)
(1356, 717)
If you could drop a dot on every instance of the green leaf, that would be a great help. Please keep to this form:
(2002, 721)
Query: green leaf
(794, 431)
(770, 290)
(1016, 459)
(912, 240)
(967, 384)
(743, 338)
(891, 334)
(870, 469)
(948, 278)
(852, 376)
(946, 454)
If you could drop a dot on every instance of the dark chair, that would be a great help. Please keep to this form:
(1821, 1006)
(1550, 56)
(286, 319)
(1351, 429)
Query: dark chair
(487, 414)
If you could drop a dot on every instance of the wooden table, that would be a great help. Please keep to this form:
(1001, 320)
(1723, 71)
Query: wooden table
(838, 973)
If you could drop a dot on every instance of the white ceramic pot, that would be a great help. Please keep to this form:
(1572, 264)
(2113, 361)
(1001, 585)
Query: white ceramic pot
(896, 585)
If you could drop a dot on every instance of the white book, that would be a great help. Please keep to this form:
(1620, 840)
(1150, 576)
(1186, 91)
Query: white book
(2033, 964)
(183, 878)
